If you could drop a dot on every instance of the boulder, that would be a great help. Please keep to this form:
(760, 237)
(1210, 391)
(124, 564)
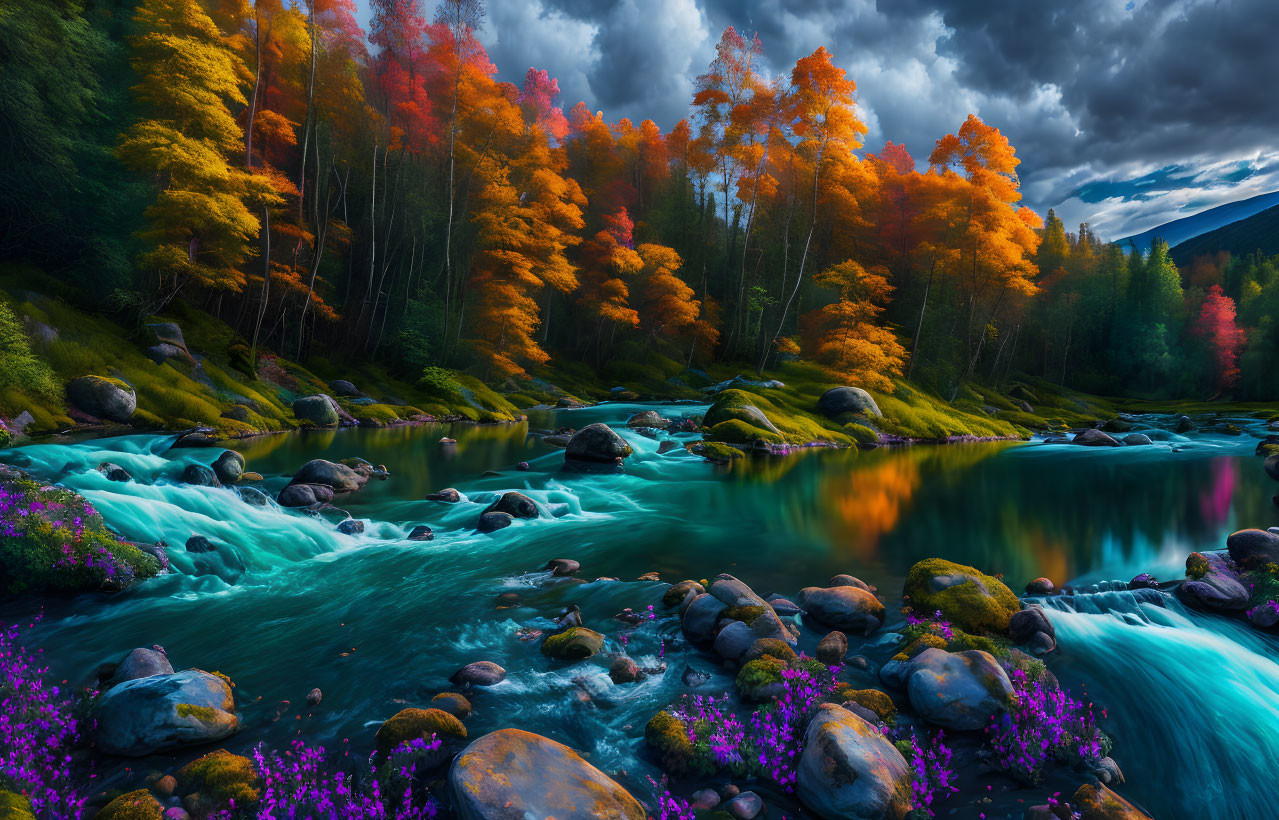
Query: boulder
(971, 600)
(453, 703)
(1212, 584)
(597, 443)
(1094, 438)
(200, 476)
(848, 581)
(832, 648)
(517, 505)
(229, 467)
(114, 472)
(135, 805)
(1137, 440)
(479, 673)
(140, 663)
(421, 533)
(733, 640)
(448, 495)
(1183, 425)
(494, 521)
(848, 608)
(783, 605)
(840, 400)
(1272, 466)
(1096, 802)
(1041, 586)
(721, 412)
(512, 774)
(164, 712)
(960, 690)
(339, 477)
(320, 410)
(304, 495)
(342, 387)
(745, 806)
(676, 593)
(701, 616)
(648, 418)
(1143, 581)
(103, 398)
(1023, 625)
(562, 567)
(848, 769)
(573, 644)
(624, 670)
(1253, 547)
(419, 724)
(351, 526)
(221, 779)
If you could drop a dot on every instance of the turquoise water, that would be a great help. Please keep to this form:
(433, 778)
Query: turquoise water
(378, 622)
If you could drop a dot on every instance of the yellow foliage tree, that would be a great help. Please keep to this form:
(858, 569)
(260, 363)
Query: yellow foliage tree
(844, 336)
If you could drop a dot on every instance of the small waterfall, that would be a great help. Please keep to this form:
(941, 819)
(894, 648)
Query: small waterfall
(1192, 699)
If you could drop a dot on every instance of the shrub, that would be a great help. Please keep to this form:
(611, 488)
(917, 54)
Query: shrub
(931, 774)
(1044, 725)
(439, 381)
(19, 367)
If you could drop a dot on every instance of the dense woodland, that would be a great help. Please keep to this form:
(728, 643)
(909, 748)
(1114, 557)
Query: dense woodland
(388, 195)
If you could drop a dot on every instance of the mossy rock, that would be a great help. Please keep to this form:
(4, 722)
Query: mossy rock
(15, 807)
(139, 805)
(221, 777)
(676, 593)
(874, 700)
(962, 641)
(761, 679)
(744, 613)
(573, 644)
(716, 451)
(415, 724)
(771, 648)
(453, 703)
(736, 431)
(1096, 802)
(919, 645)
(668, 736)
(971, 600)
(1196, 565)
(861, 434)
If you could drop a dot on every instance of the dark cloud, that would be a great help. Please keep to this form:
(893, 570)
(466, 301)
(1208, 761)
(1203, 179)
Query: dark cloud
(1124, 113)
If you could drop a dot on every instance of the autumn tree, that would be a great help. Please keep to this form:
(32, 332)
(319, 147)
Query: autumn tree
(1224, 339)
(845, 335)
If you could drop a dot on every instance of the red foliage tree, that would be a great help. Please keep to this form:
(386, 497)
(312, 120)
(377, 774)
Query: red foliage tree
(1216, 325)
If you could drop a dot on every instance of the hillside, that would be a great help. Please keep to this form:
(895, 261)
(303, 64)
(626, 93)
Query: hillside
(1187, 228)
(1257, 232)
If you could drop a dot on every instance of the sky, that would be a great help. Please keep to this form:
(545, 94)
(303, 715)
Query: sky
(1125, 113)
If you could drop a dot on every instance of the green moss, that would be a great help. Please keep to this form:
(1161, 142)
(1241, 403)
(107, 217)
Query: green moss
(917, 645)
(138, 805)
(783, 407)
(15, 807)
(574, 643)
(759, 673)
(736, 431)
(862, 434)
(876, 701)
(412, 724)
(771, 647)
(716, 451)
(668, 736)
(221, 777)
(979, 604)
(1196, 566)
(204, 714)
(745, 614)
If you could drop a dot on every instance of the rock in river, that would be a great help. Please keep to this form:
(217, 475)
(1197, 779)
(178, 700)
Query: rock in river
(573, 644)
(1094, 438)
(960, 690)
(847, 608)
(512, 774)
(850, 770)
(494, 521)
(517, 505)
(971, 600)
(229, 467)
(647, 418)
(338, 477)
(1248, 547)
(412, 724)
(479, 673)
(164, 712)
(448, 495)
(832, 648)
(304, 495)
(1212, 584)
(141, 663)
(598, 443)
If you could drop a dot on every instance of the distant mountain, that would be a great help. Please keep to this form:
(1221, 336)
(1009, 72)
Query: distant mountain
(1181, 230)
(1257, 232)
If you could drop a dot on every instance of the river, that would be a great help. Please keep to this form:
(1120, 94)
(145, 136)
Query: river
(378, 622)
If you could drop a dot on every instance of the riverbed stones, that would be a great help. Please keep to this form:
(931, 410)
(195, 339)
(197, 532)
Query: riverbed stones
(971, 600)
(511, 774)
(1023, 625)
(103, 398)
(140, 663)
(305, 495)
(1253, 547)
(960, 690)
(164, 712)
(448, 495)
(832, 648)
(676, 593)
(576, 643)
(648, 418)
(849, 769)
(624, 669)
(479, 673)
(562, 567)
(517, 505)
(840, 400)
(199, 475)
(597, 443)
(319, 410)
(700, 617)
(421, 533)
(745, 806)
(1094, 438)
(1137, 440)
(1212, 584)
(494, 521)
(420, 724)
(733, 640)
(847, 608)
(229, 467)
(334, 475)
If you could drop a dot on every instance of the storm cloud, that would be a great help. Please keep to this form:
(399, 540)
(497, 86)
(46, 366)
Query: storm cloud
(1125, 114)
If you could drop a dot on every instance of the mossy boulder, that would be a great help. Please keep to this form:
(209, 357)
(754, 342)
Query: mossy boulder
(736, 431)
(164, 712)
(716, 451)
(319, 410)
(732, 405)
(847, 608)
(1096, 802)
(104, 398)
(849, 769)
(968, 598)
(15, 807)
(453, 703)
(139, 805)
(771, 648)
(668, 736)
(676, 593)
(512, 773)
(597, 443)
(418, 724)
(573, 644)
(839, 401)
(874, 700)
(221, 778)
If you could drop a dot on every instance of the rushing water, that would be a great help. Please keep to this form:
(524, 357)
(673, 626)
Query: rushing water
(378, 622)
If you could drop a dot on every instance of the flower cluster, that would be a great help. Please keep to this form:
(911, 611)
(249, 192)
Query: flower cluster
(300, 784)
(1270, 607)
(935, 623)
(669, 806)
(932, 778)
(767, 743)
(38, 729)
(1044, 725)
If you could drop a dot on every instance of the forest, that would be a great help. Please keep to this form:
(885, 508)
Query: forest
(385, 195)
